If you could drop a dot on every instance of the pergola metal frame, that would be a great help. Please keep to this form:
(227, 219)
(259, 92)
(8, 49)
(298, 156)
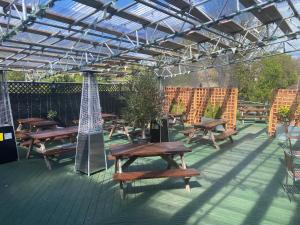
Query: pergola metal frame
(182, 34)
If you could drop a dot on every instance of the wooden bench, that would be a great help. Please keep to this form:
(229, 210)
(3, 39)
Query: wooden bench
(131, 176)
(27, 143)
(57, 151)
(226, 134)
(188, 131)
(170, 173)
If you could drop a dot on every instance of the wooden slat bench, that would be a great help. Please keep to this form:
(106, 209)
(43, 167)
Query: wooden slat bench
(57, 151)
(188, 132)
(225, 134)
(170, 173)
(131, 176)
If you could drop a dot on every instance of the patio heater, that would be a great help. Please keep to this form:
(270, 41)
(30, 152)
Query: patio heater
(90, 155)
(8, 147)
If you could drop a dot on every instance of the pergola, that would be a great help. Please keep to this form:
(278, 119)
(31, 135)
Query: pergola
(47, 37)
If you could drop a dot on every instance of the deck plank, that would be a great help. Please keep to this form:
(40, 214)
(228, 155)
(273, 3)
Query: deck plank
(239, 184)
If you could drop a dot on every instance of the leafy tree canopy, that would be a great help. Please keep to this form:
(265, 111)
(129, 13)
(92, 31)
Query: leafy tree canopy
(256, 81)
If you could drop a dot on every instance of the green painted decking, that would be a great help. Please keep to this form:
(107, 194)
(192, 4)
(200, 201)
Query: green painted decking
(239, 184)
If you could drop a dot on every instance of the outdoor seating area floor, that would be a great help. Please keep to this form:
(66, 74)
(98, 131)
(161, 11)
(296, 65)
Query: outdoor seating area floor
(239, 184)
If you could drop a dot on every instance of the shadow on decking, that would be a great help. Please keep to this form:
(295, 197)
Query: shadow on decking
(61, 197)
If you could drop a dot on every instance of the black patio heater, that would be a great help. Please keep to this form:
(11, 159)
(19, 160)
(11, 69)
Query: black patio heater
(8, 147)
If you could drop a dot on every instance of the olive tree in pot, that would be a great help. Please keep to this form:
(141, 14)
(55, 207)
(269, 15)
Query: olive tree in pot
(143, 101)
(284, 119)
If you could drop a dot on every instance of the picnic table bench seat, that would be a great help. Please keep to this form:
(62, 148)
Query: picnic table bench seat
(57, 151)
(176, 173)
(27, 143)
(61, 149)
(22, 135)
(225, 134)
(188, 131)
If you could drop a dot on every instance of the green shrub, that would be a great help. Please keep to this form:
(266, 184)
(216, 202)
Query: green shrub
(178, 108)
(213, 111)
(51, 114)
(283, 113)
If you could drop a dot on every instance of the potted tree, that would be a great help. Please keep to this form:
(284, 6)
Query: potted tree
(51, 115)
(143, 101)
(284, 118)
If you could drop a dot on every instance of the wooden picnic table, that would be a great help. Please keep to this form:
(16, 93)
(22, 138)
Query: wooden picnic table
(108, 116)
(40, 138)
(105, 116)
(120, 126)
(252, 112)
(165, 150)
(208, 128)
(44, 124)
(27, 121)
(177, 117)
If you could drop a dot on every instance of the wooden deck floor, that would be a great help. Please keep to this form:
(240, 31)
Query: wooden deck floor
(239, 184)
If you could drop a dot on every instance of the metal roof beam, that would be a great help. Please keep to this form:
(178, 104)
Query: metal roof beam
(231, 26)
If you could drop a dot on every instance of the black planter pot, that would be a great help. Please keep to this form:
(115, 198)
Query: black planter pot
(159, 132)
(141, 140)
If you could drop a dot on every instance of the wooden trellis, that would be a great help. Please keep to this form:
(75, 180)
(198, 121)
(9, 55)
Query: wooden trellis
(196, 100)
(282, 97)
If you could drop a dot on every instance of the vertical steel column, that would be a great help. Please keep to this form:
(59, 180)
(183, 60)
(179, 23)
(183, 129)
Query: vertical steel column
(90, 155)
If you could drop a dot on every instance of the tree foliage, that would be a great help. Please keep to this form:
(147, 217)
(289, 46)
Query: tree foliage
(256, 81)
(15, 76)
(144, 101)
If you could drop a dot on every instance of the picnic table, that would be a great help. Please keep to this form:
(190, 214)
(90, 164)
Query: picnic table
(44, 124)
(179, 117)
(208, 128)
(121, 126)
(40, 138)
(165, 150)
(108, 116)
(27, 121)
(105, 116)
(253, 112)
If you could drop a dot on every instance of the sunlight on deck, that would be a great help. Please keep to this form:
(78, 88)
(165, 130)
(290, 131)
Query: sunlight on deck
(239, 184)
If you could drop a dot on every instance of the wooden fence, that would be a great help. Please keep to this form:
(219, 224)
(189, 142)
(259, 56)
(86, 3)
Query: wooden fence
(197, 99)
(32, 99)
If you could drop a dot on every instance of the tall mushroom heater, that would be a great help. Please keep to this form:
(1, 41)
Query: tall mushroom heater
(90, 155)
(8, 148)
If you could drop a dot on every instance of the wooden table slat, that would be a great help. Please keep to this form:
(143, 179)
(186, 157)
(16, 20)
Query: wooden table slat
(149, 149)
(44, 123)
(210, 124)
(53, 133)
(29, 120)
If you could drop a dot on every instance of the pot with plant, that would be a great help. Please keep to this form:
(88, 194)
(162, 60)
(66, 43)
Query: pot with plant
(51, 115)
(284, 118)
(143, 101)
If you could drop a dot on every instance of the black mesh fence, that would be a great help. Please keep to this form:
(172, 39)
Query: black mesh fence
(32, 99)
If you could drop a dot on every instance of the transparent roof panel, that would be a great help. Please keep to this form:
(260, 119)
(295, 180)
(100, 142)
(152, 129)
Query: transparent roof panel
(71, 27)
